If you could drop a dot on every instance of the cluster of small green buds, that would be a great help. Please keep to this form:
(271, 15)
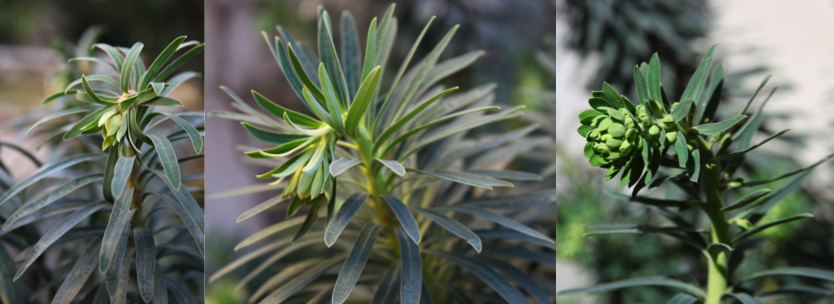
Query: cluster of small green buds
(114, 125)
(612, 134)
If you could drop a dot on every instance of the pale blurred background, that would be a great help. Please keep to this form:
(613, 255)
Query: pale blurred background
(794, 41)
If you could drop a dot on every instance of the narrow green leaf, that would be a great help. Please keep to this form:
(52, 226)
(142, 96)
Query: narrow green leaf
(794, 271)
(260, 208)
(707, 108)
(362, 100)
(682, 109)
(355, 262)
(508, 175)
(499, 219)
(94, 59)
(168, 159)
(10, 292)
(168, 70)
(351, 53)
(87, 120)
(696, 84)
(316, 106)
(122, 171)
(387, 290)
(113, 53)
(193, 134)
(613, 96)
(683, 298)
(745, 298)
(331, 99)
(745, 134)
(393, 165)
(405, 217)
(271, 137)
(761, 85)
(50, 196)
(522, 279)
(188, 210)
(742, 152)
(120, 294)
(792, 173)
(298, 282)
(329, 58)
(751, 232)
(747, 200)
(109, 172)
(370, 51)
(453, 226)
(341, 165)
(642, 87)
(84, 266)
(639, 282)
(654, 78)
(513, 201)
(100, 78)
(181, 294)
(56, 232)
(145, 262)
(468, 179)
(160, 61)
(127, 66)
(302, 75)
(343, 216)
(161, 102)
(488, 275)
(776, 196)
(278, 111)
(396, 126)
(412, 271)
(681, 148)
(115, 226)
(713, 128)
(269, 231)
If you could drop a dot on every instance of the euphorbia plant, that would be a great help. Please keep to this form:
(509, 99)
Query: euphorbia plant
(125, 196)
(656, 141)
(381, 165)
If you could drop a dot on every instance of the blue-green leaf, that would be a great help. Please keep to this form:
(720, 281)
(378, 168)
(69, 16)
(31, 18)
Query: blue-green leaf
(745, 298)
(682, 150)
(84, 266)
(654, 78)
(168, 159)
(488, 275)
(405, 217)
(127, 66)
(160, 289)
(453, 226)
(55, 233)
(412, 274)
(522, 279)
(683, 298)
(115, 226)
(362, 100)
(351, 53)
(639, 282)
(121, 172)
(751, 232)
(298, 282)
(193, 134)
(682, 109)
(355, 262)
(160, 61)
(499, 219)
(393, 165)
(343, 216)
(278, 111)
(612, 96)
(712, 128)
(178, 62)
(742, 152)
(341, 165)
(696, 84)
(10, 291)
(746, 200)
(794, 271)
(145, 262)
(642, 87)
(260, 208)
(51, 195)
(386, 293)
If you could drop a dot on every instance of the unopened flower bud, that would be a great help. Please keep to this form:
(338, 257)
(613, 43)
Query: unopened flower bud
(613, 143)
(654, 131)
(616, 130)
(671, 137)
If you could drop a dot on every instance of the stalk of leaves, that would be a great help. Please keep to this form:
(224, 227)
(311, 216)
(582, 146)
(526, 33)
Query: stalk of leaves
(704, 163)
(380, 166)
(153, 218)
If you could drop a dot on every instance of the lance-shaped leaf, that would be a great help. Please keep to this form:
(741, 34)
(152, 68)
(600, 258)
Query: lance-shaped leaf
(260, 208)
(189, 211)
(179, 291)
(522, 279)
(747, 200)
(343, 216)
(682, 109)
(488, 275)
(512, 234)
(328, 57)
(312, 217)
(341, 165)
(745, 134)
(397, 125)
(271, 137)
(168, 159)
(160, 289)
(508, 175)
(654, 78)
(513, 201)
(84, 266)
(387, 290)
(751, 232)
(50, 196)
(362, 100)
(179, 62)
(794, 271)
(86, 121)
(412, 272)
(93, 59)
(61, 114)
(370, 51)
(644, 199)
(713, 128)
(287, 290)
(114, 54)
(193, 134)
(468, 179)
(10, 292)
(115, 226)
(696, 84)
(742, 152)
(744, 298)
(355, 262)
(278, 111)
(113, 155)
(683, 298)
(642, 87)
(145, 262)
(331, 99)
(302, 75)
(640, 282)
(119, 295)
(269, 231)
(121, 172)
(405, 217)
(127, 66)
(160, 61)
(351, 53)
(393, 165)
(453, 226)
(499, 219)
(681, 149)
(55, 233)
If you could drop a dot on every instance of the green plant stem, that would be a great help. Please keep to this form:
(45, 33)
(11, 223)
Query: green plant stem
(717, 264)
